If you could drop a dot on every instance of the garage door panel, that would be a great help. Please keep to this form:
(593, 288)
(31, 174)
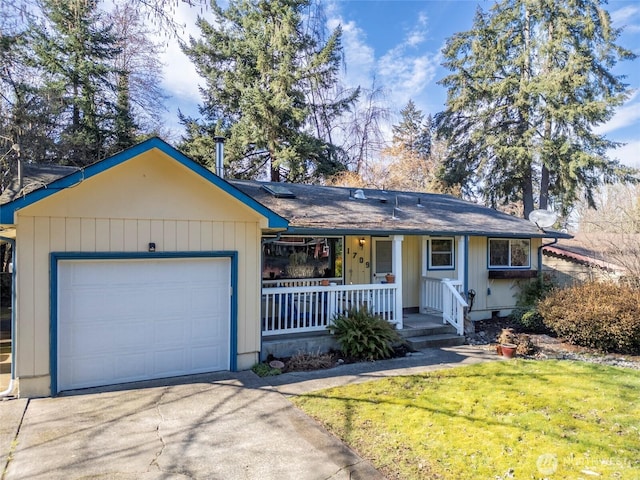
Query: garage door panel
(137, 336)
(171, 302)
(88, 340)
(87, 372)
(128, 320)
(203, 330)
(132, 366)
(170, 362)
(168, 332)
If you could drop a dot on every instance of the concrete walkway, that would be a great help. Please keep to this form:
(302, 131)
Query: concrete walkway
(220, 426)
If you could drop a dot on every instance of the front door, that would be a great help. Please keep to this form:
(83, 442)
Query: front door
(382, 259)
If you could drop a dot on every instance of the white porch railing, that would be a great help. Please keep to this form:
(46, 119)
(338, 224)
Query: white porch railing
(312, 308)
(431, 298)
(299, 282)
(431, 294)
(453, 304)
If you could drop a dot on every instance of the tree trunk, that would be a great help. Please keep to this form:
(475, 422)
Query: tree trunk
(527, 193)
(546, 136)
(544, 188)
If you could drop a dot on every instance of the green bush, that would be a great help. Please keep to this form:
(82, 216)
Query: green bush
(528, 319)
(264, 370)
(526, 315)
(364, 336)
(603, 316)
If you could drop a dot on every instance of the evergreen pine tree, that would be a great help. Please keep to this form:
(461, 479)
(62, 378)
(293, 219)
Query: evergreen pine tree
(259, 66)
(75, 54)
(413, 133)
(529, 82)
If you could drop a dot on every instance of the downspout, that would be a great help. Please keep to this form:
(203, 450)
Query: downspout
(555, 240)
(9, 389)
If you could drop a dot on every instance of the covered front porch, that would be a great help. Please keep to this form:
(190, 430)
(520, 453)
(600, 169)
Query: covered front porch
(302, 309)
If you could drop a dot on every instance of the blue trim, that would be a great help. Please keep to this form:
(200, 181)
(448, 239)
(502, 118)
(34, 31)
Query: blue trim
(507, 267)
(8, 210)
(465, 277)
(325, 231)
(55, 257)
(453, 253)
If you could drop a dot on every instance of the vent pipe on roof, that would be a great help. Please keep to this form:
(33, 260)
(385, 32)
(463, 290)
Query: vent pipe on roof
(219, 156)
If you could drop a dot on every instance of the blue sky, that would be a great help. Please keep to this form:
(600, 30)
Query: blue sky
(398, 43)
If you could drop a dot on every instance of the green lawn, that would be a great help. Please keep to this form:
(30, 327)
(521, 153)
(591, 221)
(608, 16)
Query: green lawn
(510, 419)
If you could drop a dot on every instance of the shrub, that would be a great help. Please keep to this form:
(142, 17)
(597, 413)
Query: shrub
(528, 319)
(603, 316)
(526, 315)
(303, 361)
(264, 370)
(364, 336)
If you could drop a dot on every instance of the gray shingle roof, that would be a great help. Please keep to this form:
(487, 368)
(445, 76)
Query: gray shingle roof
(323, 209)
(35, 176)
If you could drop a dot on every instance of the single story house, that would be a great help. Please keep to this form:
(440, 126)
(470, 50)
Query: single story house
(147, 265)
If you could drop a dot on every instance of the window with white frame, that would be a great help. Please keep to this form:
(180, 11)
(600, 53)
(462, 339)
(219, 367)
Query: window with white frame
(441, 254)
(509, 253)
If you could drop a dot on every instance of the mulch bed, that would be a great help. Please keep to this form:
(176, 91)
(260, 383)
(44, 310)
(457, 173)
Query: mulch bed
(547, 346)
(486, 334)
(307, 362)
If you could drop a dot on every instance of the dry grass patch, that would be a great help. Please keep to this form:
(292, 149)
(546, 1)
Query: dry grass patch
(517, 419)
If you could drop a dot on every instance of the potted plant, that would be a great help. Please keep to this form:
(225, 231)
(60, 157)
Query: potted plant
(507, 343)
(508, 350)
(390, 278)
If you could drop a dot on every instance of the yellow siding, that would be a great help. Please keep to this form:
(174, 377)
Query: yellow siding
(41, 284)
(411, 271)
(492, 295)
(148, 199)
(26, 351)
(145, 187)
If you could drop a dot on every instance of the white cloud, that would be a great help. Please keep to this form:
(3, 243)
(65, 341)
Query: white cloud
(624, 15)
(359, 56)
(407, 68)
(418, 34)
(625, 116)
(180, 75)
(629, 154)
(402, 72)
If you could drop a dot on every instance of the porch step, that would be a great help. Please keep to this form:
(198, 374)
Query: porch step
(435, 341)
(428, 331)
(436, 328)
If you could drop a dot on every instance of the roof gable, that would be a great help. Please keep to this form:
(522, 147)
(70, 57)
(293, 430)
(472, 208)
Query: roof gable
(8, 210)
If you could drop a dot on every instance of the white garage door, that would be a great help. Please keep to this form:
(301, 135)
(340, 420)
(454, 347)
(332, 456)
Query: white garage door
(128, 320)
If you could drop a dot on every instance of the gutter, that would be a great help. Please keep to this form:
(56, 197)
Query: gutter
(9, 389)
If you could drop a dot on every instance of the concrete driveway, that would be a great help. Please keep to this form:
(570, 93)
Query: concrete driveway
(225, 426)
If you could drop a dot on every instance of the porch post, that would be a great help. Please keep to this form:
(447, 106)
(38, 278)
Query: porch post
(461, 266)
(423, 274)
(396, 256)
